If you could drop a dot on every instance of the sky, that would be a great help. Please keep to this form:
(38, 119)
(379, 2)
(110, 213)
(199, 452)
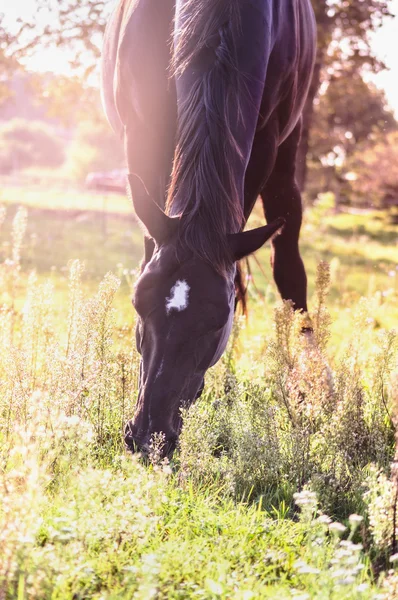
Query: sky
(385, 45)
(384, 42)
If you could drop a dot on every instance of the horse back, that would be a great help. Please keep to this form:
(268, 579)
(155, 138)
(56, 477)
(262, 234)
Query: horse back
(135, 61)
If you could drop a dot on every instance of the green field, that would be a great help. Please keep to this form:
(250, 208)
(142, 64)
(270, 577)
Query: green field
(80, 519)
(100, 230)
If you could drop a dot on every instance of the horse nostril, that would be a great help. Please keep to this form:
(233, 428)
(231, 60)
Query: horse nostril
(130, 440)
(142, 445)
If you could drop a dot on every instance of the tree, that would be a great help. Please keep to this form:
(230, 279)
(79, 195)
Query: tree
(77, 25)
(29, 143)
(348, 112)
(14, 44)
(343, 28)
(372, 172)
(69, 100)
(343, 42)
(8, 61)
(94, 148)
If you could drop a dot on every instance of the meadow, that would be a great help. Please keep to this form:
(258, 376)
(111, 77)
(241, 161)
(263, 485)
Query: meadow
(284, 484)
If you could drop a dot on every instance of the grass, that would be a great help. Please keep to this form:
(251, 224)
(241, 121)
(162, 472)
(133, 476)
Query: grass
(257, 502)
(69, 199)
(100, 230)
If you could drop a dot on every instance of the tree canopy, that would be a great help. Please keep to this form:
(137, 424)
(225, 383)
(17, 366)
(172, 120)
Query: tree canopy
(344, 45)
(372, 171)
(29, 143)
(349, 112)
(342, 109)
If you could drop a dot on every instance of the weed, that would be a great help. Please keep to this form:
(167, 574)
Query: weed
(268, 460)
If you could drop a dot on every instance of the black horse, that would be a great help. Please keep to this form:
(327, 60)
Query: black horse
(208, 96)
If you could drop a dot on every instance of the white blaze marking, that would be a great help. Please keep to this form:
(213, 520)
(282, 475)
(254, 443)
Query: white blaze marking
(178, 299)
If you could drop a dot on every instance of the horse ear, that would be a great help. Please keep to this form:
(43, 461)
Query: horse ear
(158, 225)
(247, 242)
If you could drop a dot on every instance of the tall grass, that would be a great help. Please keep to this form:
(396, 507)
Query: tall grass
(306, 422)
(81, 372)
(268, 459)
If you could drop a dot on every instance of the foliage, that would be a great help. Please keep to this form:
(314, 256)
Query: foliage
(94, 148)
(347, 113)
(78, 519)
(69, 23)
(26, 143)
(79, 24)
(304, 424)
(70, 100)
(343, 31)
(55, 107)
(373, 171)
(343, 45)
(8, 57)
(62, 101)
(344, 54)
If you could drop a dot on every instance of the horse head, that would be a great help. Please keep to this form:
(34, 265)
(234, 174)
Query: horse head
(185, 310)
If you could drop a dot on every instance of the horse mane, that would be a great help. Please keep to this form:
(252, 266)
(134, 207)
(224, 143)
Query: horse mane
(203, 188)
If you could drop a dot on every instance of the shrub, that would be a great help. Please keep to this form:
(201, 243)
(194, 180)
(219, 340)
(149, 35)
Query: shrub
(29, 144)
(373, 172)
(304, 424)
(79, 519)
(84, 377)
(94, 148)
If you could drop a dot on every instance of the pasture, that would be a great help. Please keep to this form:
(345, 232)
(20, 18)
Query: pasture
(282, 486)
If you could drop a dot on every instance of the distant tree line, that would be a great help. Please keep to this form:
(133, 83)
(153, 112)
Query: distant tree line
(345, 116)
(49, 121)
